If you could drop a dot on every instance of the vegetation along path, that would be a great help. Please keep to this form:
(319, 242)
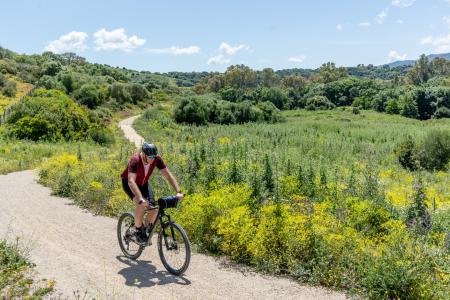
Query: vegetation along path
(80, 251)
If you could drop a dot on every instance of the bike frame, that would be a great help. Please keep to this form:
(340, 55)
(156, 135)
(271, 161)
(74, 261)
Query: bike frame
(160, 221)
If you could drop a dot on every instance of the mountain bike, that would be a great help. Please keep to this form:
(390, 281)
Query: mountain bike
(173, 243)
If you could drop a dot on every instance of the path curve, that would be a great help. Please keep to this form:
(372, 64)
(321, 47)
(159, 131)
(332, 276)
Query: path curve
(80, 251)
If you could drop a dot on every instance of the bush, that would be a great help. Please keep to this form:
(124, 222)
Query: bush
(442, 112)
(191, 110)
(319, 102)
(102, 136)
(10, 89)
(89, 95)
(48, 115)
(432, 154)
(435, 150)
(50, 83)
(407, 154)
(392, 107)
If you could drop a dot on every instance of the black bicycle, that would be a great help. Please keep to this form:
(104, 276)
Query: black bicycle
(173, 243)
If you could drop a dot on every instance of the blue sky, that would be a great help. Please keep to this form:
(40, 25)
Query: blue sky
(210, 35)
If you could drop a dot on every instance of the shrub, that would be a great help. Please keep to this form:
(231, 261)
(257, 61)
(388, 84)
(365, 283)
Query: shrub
(269, 244)
(435, 150)
(442, 112)
(119, 92)
(417, 217)
(236, 229)
(49, 115)
(102, 136)
(50, 83)
(10, 89)
(191, 110)
(407, 154)
(392, 107)
(319, 102)
(89, 95)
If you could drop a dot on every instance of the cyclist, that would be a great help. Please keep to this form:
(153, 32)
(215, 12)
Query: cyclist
(135, 183)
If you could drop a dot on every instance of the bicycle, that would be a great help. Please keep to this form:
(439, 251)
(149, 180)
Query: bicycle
(172, 239)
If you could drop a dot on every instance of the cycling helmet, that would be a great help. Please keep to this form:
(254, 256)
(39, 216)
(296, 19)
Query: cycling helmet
(149, 149)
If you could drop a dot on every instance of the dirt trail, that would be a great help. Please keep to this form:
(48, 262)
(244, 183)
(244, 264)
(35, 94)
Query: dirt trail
(80, 251)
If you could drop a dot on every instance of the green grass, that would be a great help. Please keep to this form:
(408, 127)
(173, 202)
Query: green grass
(16, 281)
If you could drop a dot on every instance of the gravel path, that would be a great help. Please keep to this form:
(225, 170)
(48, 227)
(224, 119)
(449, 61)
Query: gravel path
(80, 251)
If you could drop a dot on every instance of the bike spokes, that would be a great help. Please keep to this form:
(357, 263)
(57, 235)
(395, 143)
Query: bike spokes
(174, 249)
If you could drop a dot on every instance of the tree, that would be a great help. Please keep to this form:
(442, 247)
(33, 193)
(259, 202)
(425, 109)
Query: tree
(137, 92)
(319, 102)
(392, 107)
(118, 92)
(268, 77)
(240, 76)
(408, 106)
(421, 71)
(89, 95)
(275, 95)
(191, 110)
(328, 72)
(51, 68)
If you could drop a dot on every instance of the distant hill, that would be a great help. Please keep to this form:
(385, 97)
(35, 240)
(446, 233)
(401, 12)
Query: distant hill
(403, 63)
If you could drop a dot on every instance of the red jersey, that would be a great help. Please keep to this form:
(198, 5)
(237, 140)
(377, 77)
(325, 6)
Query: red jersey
(136, 165)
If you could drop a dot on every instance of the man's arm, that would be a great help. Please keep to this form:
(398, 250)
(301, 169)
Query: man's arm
(134, 188)
(171, 179)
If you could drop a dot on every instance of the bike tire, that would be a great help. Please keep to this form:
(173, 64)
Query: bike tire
(163, 247)
(127, 217)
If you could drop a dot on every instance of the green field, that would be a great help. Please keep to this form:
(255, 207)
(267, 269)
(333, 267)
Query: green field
(320, 196)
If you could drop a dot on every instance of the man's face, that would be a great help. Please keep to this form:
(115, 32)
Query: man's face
(148, 158)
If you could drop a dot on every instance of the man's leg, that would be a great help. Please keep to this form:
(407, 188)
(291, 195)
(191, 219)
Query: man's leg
(153, 213)
(138, 214)
(140, 209)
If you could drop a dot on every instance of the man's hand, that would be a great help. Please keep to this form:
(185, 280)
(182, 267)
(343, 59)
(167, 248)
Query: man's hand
(180, 196)
(144, 202)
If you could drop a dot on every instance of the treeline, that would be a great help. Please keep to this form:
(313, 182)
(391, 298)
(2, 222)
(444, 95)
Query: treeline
(92, 85)
(205, 109)
(423, 93)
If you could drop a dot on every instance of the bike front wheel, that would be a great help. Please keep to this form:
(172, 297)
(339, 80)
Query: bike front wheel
(128, 246)
(174, 249)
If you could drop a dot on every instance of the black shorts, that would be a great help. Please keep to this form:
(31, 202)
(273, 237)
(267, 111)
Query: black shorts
(146, 191)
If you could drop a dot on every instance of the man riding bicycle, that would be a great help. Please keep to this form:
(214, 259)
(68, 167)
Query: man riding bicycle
(135, 183)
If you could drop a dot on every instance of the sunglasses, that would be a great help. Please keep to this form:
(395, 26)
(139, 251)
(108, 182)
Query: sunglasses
(151, 156)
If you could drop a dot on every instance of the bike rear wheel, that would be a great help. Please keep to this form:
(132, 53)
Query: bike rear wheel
(174, 249)
(124, 233)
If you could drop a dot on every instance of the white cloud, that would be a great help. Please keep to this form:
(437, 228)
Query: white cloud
(403, 3)
(219, 59)
(364, 24)
(225, 52)
(72, 42)
(427, 40)
(297, 59)
(381, 16)
(116, 40)
(339, 27)
(224, 48)
(175, 50)
(394, 55)
(399, 22)
(446, 20)
(441, 43)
